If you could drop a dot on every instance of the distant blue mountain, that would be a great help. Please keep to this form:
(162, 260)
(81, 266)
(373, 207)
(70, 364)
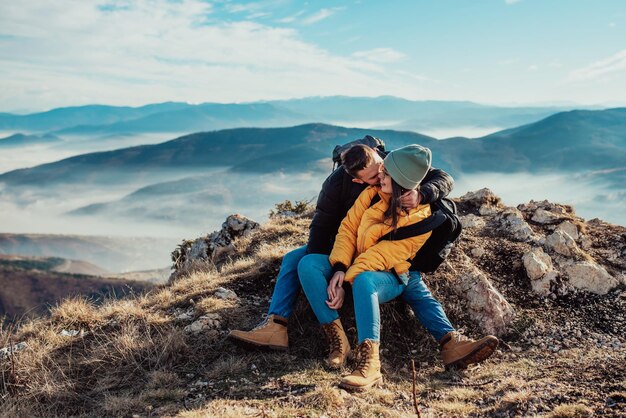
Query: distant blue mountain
(413, 115)
(64, 117)
(19, 140)
(204, 117)
(575, 141)
(392, 112)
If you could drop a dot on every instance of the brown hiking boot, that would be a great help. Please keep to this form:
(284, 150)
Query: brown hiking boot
(271, 333)
(458, 351)
(339, 345)
(366, 374)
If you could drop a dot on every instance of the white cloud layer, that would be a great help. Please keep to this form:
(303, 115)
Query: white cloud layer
(319, 16)
(67, 52)
(380, 55)
(616, 63)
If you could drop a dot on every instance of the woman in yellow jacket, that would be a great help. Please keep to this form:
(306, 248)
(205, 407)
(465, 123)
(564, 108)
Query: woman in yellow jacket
(377, 270)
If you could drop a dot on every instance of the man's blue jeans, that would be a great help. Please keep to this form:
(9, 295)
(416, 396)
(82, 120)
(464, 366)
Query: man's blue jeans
(427, 309)
(287, 284)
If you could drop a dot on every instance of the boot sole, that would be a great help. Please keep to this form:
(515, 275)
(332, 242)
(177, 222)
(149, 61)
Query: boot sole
(256, 346)
(480, 353)
(361, 388)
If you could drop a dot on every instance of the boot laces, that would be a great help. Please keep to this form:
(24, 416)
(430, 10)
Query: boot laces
(262, 324)
(334, 337)
(363, 359)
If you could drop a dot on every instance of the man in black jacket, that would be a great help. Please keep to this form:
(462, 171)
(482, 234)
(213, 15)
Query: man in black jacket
(338, 194)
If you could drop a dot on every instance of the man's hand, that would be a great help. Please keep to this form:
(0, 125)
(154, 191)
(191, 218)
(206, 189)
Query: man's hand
(335, 291)
(410, 199)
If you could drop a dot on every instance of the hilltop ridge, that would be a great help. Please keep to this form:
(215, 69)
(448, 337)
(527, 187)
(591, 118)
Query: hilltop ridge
(165, 353)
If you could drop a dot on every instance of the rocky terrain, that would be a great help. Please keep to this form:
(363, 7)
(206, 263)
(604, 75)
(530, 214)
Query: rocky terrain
(551, 285)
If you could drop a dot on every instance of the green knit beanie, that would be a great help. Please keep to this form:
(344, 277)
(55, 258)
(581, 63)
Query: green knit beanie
(408, 165)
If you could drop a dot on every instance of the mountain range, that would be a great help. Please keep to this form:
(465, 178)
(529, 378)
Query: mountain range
(207, 174)
(573, 141)
(389, 112)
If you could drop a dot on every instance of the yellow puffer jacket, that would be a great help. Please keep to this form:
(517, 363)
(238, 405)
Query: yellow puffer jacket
(357, 247)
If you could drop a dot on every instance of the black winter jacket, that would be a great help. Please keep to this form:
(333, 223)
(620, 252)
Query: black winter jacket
(339, 193)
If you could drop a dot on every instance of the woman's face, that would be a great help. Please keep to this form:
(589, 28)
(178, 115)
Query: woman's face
(385, 181)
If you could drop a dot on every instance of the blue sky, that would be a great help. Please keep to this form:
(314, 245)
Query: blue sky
(122, 52)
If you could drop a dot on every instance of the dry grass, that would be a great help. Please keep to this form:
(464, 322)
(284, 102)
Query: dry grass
(571, 411)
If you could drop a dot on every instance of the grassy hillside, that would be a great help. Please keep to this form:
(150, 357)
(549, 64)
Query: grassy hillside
(28, 286)
(563, 356)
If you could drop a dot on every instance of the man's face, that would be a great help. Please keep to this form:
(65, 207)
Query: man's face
(369, 174)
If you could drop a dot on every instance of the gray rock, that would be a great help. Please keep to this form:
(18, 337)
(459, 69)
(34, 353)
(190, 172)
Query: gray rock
(563, 244)
(568, 228)
(511, 219)
(543, 216)
(223, 293)
(472, 221)
(537, 263)
(205, 322)
(481, 197)
(591, 277)
(487, 210)
(486, 305)
(199, 250)
(6, 351)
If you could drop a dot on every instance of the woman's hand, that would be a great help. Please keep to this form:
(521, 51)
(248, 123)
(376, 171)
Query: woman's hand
(335, 290)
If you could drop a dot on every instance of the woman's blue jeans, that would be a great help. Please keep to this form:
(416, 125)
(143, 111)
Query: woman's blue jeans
(369, 290)
(427, 309)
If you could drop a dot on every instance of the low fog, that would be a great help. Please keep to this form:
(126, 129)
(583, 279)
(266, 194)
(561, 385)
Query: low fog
(12, 158)
(194, 206)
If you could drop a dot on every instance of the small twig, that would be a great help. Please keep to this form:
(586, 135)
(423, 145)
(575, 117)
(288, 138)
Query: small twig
(451, 383)
(415, 401)
(13, 379)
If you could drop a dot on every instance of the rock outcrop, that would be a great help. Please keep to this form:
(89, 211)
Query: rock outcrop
(215, 247)
(547, 241)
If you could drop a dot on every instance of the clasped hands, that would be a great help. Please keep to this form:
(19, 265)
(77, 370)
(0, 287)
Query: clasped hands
(336, 293)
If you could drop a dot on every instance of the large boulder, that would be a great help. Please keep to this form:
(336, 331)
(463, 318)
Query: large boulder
(563, 244)
(486, 305)
(591, 277)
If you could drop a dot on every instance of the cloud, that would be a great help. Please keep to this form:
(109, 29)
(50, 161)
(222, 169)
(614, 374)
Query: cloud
(292, 18)
(68, 53)
(320, 15)
(380, 55)
(616, 63)
(510, 2)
